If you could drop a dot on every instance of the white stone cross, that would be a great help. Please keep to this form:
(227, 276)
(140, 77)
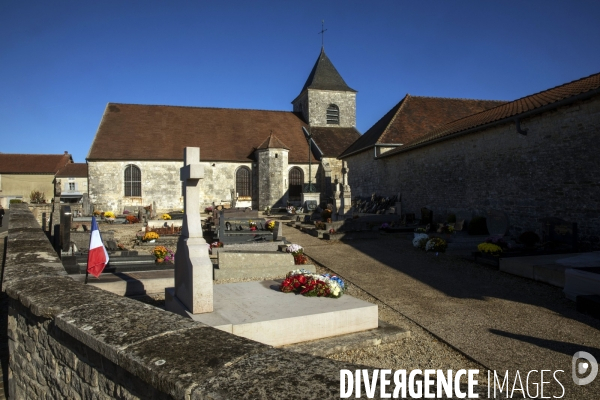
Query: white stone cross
(190, 175)
(193, 267)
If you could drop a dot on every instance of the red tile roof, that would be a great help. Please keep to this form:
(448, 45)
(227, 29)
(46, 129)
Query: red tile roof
(413, 117)
(538, 102)
(73, 170)
(273, 143)
(149, 132)
(333, 141)
(33, 163)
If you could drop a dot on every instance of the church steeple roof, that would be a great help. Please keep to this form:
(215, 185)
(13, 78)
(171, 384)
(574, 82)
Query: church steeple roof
(272, 142)
(324, 76)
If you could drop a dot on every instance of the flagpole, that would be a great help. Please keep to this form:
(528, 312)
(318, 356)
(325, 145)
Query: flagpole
(86, 276)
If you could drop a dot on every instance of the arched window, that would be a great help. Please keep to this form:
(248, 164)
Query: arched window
(296, 179)
(133, 181)
(243, 183)
(333, 114)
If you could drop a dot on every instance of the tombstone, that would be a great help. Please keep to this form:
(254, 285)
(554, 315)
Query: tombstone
(426, 216)
(311, 205)
(410, 218)
(497, 222)
(278, 231)
(65, 227)
(193, 267)
(558, 231)
(86, 205)
(346, 195)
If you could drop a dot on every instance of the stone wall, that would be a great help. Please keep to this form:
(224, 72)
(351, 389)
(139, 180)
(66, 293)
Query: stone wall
(550, 172)
(272, 169)
(69, 340)
(160, 184)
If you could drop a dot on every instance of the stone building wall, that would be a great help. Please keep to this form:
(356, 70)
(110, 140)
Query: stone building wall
(319, 101)
(75, 341)
(550, 172)
(160, 184)
(21, 186)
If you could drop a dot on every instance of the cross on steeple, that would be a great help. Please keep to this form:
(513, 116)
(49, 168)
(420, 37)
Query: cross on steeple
(322, 33)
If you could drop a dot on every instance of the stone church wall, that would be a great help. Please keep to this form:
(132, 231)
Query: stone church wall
(550, 172)
(160, 184)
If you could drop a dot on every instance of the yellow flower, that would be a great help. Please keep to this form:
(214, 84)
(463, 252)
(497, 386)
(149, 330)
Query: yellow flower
(489, 248)
(150, 236)
(166, 216)
(109, 214)
(160, 252)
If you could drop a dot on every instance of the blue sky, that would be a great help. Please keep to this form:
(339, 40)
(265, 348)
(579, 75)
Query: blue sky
(62, 61)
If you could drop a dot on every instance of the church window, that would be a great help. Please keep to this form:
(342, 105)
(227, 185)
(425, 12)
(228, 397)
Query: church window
(296, 179)
(333, 114)
(133, 181)
(243, 183)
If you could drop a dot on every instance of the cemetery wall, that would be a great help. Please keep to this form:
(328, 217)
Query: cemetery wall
(21, 185)
(550, 172)
(70, 340)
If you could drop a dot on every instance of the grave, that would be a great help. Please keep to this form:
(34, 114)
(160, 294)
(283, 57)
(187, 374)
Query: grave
(426, 216)
(497, 222)
(238, 230)
(255, 310)
(236, 264)
(558, 232)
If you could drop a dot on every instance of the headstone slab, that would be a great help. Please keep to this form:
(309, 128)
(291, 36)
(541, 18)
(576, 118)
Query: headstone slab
(497, 222)
(426, 216)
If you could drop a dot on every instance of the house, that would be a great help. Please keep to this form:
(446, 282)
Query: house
(73, 180)
(252, 157)
(532, 158)
(21, 174)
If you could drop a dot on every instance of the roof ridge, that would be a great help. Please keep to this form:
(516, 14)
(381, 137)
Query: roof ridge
(458, 98)
(556, 87)
(200, 107)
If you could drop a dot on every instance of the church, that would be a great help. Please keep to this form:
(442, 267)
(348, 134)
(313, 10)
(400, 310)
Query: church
(251, 158)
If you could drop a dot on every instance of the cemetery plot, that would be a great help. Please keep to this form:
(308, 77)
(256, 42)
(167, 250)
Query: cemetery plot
(243, 230)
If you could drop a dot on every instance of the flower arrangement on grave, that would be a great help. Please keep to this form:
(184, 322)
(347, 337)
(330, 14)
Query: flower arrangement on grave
(121, 246)
(165, 216)
(326, 214)
(109, 214)
(489, 248)
(309, 284)
(328, 220)
(331, 231)
(420, 230)
(291, 209)
(498, 240)
(420, 240)
(97, 213)
(214, 245)
(436, 244)
(270, 225)
(160, 252)
(385, 225)
(150, 236)
(125, 212)
(208, 209)
(298, 253)
(446, 228)
(132, 219)
(252, 225)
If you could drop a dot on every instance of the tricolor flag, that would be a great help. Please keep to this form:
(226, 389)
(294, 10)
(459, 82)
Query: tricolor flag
(97, 256)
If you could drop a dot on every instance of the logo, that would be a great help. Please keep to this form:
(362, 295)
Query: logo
(583, 367)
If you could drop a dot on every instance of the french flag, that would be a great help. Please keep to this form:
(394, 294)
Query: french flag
(97, 256)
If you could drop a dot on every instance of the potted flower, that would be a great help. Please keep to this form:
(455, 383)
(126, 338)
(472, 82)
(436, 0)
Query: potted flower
(150, 237)
(160, 252)
(437, 245)
(270, 225)
(165, 217)
(489, 249)
(109, 216)
(298, 253)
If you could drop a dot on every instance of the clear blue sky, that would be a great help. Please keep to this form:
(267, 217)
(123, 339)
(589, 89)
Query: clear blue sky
(62, 61)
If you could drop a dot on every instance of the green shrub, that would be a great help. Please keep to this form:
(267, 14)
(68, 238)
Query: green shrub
(478, 226)
(37, 197)
(15, 201)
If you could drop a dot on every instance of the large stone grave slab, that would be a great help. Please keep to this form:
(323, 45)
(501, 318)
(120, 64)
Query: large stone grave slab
(260, 312)
(255, 264)
(237, 230)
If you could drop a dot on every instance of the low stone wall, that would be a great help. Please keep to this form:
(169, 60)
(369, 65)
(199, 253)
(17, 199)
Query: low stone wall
(69, 340)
